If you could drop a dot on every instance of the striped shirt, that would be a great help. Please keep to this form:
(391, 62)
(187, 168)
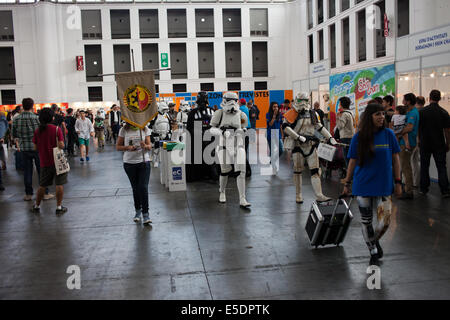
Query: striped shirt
(24, 126)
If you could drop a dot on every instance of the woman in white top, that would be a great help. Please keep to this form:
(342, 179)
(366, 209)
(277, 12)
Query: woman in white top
(136, 161)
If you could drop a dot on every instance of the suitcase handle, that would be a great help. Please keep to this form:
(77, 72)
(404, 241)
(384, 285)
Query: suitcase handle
(341, 198)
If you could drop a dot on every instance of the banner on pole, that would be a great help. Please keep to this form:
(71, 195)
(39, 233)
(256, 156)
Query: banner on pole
(137, 97)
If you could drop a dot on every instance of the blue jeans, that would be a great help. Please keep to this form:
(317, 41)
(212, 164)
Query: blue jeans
(139, 175)
(28, 158)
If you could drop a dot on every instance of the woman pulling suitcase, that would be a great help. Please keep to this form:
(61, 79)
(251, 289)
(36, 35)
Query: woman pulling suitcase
(373, 158)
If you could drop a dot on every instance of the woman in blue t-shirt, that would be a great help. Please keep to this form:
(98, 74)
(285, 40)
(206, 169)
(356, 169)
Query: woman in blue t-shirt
(373, 157)
(274, 121)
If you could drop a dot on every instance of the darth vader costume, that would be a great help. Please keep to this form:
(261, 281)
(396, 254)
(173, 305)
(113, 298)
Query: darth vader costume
(199, 117)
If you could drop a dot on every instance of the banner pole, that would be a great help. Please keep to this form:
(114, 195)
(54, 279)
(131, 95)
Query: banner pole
(113, 74)
(132, 59)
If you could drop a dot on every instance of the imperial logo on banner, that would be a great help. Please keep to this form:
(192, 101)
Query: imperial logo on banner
(138, 98)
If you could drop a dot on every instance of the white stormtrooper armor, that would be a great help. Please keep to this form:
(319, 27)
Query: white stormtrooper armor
(182, 115)
(229, 124)
(160, 130)
(301, 140)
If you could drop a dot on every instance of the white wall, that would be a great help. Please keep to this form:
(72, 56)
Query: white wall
(45, 50)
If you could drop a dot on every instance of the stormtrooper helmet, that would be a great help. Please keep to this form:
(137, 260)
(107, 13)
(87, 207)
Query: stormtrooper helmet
(184, 106)
(163, 107)
(301, 102)
(230, 102)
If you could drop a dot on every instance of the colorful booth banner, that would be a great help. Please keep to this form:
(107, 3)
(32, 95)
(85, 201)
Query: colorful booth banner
(36, 107)
(261, 99)
(361, 87)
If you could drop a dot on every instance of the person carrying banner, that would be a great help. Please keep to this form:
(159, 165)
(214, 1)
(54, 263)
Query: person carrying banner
(138, 107)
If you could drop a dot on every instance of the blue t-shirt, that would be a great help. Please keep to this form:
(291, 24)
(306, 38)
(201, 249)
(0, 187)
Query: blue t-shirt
(244, 109)
(413, 118)
(375, 178)
(276, 126)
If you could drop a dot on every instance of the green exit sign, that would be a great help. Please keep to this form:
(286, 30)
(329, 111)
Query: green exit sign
(164, 60)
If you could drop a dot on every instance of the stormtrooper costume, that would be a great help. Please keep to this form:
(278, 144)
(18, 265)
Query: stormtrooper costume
(229, 124)
(301, 141)
(160, 130)
(182, 116)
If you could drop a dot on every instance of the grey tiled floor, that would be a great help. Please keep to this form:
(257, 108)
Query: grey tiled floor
(199, 249)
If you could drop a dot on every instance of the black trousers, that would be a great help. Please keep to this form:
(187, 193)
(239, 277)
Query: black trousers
(71, 138)
(440, 159)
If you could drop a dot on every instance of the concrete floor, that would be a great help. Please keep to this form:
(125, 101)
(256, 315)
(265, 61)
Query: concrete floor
(199, 249)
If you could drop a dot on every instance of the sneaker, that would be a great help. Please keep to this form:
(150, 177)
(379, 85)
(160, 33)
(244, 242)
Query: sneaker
(48, 196)
(28, 197)
(81, 160)
(35, 209)
(137, 217)
(2, 188)
(146, 220)
(379, 249)
(87, 158)
(62, 210)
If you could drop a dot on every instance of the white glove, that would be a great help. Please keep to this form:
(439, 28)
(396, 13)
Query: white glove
(333, 142)
(215, 131)
(302, 139)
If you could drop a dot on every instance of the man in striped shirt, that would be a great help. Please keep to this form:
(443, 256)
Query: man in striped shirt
(24, 126)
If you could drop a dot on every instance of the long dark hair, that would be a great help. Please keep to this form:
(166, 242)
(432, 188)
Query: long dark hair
(366, 147)
(271, 110)
(45, 117)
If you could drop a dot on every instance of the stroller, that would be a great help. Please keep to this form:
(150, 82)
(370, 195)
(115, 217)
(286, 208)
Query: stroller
(338, 163)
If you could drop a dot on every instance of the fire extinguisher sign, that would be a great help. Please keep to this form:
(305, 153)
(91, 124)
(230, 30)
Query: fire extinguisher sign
(80, 63)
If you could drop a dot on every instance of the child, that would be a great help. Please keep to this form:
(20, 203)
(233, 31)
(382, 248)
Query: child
(399, 123)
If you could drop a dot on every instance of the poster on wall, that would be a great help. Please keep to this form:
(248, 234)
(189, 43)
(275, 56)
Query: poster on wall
(261, 99)
(360, 86)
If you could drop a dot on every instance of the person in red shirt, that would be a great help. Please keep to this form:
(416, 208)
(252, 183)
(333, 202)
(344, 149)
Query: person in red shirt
(284, 107)
(44, 141)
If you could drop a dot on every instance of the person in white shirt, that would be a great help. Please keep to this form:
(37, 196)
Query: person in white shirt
(136, 145)
(85, 130)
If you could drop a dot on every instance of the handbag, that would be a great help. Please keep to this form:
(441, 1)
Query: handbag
(61, 163)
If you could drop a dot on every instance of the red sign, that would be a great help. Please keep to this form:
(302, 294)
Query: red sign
(386, 26)
(80, 63)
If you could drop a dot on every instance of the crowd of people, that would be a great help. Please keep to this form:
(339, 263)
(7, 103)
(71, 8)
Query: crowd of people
(18, 127)
(387, 152)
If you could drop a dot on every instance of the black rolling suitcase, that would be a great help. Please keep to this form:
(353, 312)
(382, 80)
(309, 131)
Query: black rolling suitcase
(328, 222)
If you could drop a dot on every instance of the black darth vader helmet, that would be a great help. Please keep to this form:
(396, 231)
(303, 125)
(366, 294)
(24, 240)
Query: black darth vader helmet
(202, 99)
